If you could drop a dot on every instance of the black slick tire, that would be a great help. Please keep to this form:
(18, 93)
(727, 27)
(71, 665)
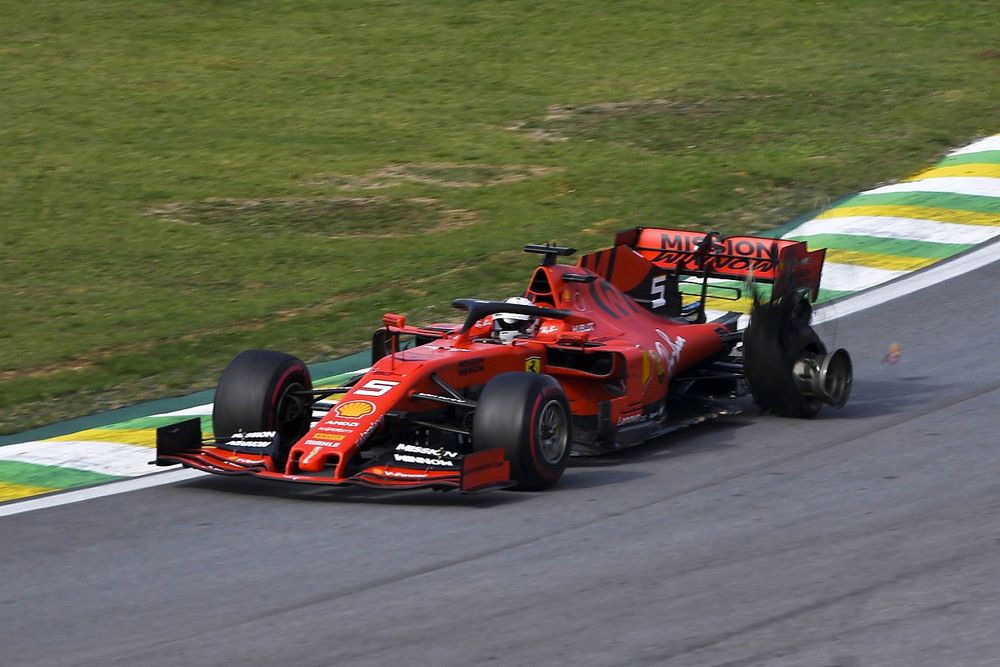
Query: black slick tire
(526, 414)
(255, 393)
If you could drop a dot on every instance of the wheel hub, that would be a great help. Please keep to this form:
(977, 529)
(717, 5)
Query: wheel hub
(552, 431)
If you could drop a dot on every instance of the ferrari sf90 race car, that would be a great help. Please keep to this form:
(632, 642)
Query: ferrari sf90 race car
(594, 357)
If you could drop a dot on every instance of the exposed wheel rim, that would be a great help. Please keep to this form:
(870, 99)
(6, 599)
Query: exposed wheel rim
(552, 431)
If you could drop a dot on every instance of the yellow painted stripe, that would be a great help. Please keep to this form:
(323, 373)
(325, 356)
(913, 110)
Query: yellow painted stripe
(143, 437)
(740, 306)
(892, 262)
(10, 490)
(983, 169)
(915, 212)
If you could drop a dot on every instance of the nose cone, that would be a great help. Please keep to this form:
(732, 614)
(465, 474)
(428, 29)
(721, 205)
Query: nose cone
(313, 459)
(334, 437)
(350, 422)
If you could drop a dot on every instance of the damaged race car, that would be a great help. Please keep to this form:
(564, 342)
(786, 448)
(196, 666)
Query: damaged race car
(594, 357)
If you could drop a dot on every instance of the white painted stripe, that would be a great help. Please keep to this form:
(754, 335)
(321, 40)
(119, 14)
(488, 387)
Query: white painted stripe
(914, 282)
(109, 458)
(909, 229)
(987, 144)
(960, 185)
(196, 411)
(114, 488)
(854, 277)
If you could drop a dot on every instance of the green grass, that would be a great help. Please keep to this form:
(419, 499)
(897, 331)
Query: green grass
(181, 180)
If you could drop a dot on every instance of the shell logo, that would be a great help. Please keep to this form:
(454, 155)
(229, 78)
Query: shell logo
(354, 409)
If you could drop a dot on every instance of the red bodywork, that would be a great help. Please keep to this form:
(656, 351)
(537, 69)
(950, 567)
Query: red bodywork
(613, 357)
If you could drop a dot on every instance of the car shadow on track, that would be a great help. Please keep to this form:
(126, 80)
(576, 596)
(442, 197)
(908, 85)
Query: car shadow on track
(871, 398)
(699, 439)
(582, 473)
(248, 486)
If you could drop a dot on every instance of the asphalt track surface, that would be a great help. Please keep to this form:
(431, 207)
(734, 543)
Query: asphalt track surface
(870, 536)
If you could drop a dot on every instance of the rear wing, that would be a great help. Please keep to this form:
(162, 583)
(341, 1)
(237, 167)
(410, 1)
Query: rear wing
(707, 255)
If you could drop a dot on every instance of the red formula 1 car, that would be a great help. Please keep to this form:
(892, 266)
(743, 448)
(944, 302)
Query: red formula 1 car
(593, 358)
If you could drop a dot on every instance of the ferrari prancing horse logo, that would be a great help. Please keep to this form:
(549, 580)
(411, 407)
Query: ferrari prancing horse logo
(533, 364)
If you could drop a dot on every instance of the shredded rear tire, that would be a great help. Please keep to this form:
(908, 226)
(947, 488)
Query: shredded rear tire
(778, 334)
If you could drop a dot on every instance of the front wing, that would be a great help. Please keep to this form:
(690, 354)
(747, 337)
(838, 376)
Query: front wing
(182, 443)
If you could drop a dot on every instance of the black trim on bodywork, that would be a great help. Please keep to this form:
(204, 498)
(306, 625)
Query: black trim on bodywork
(479, 309)
(183, 436)
(549, 252)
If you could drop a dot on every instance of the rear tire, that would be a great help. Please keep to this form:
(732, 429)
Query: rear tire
(255, 393)
(528, 415)
(777, 336)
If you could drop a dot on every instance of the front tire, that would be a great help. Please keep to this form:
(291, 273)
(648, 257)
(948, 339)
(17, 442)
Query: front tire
(257, 393)
(528, 415)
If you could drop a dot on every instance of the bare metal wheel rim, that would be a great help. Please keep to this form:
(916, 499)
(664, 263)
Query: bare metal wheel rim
(552, 432)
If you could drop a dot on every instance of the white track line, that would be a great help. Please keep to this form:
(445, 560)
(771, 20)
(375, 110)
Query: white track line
(92, 492)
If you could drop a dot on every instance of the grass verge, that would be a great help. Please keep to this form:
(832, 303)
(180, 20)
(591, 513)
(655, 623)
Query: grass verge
(185, 179)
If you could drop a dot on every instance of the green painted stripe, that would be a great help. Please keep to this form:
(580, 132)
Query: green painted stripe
(825, 294)
(336, 380)
(983, 157)
(882, 246)
(153, 423)
(947, 200)
(344, 365)
(51, 477)
(763, 288)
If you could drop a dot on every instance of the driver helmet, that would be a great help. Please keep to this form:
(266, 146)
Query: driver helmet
(508, 326)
